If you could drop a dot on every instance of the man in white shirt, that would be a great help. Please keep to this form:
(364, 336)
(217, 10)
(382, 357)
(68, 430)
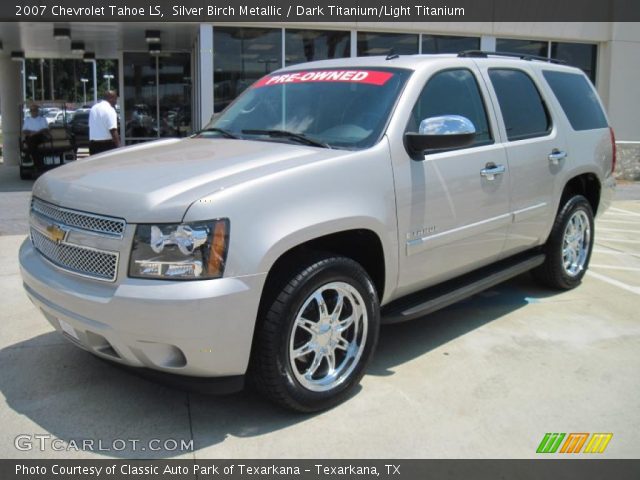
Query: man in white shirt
(34, 123)
(103, 124)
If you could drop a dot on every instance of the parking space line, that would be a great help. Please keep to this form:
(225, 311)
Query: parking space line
(617, 230)
(615, 214)
(619, 240)
(628, 222)
(615, 252)
(626, 212)
(614, 282)
(614, 267)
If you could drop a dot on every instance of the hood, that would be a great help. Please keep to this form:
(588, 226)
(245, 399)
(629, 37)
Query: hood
(157, 181)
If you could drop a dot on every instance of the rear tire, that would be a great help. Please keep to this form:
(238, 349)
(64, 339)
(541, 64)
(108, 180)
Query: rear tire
(317, 335)
(568, 248)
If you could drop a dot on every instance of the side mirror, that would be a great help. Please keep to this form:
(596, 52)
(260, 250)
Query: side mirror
(436, 133)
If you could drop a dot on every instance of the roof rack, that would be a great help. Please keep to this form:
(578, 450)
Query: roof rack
(522, 56)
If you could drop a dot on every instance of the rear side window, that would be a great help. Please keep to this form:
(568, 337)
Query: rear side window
(453, 92)
(523, 110)
(578, 100)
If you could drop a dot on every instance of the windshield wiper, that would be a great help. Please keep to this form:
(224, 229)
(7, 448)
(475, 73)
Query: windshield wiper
(225, 133)
(301, 137)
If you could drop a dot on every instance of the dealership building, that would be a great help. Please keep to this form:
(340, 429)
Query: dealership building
(172, 77)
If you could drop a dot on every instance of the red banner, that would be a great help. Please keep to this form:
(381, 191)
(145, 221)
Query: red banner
(370, 77)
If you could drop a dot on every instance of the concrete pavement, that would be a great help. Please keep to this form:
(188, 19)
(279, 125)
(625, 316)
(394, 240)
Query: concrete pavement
(485, 378)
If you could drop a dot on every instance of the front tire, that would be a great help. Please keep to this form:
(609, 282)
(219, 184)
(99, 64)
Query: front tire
(568, 249)
(317, 336)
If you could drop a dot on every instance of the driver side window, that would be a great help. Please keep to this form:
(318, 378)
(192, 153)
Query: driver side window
(453, 92)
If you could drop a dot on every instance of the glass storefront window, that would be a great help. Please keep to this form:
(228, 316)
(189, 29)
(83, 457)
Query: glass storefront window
(242, 56)
(372, 43)
(448, 44)
(174, 95)
(157, 96)
(140, 95)
(308, 45)
(581, 55)
(526, 47)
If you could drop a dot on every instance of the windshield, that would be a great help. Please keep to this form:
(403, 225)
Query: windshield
(336, 108)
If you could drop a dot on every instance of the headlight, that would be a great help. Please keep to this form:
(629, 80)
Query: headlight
(186, 251)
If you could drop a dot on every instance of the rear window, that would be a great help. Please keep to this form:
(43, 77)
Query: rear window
(523, 110)
(578, 100)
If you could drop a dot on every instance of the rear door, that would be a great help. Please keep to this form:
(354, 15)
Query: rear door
(536, 152)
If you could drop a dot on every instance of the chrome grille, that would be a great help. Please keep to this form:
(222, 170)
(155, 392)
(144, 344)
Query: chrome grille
(84, 261)
(80, 220)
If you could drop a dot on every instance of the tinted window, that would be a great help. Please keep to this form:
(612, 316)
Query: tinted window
(523, 110)
(242, 56)
(581, 55)
(448, 44)
(452, 92)
(308, 45)
(578, 100)
(373, 43)
(526, 47)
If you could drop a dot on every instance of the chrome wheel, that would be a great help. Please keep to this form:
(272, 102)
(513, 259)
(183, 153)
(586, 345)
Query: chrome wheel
(576, 243)
(328, 336)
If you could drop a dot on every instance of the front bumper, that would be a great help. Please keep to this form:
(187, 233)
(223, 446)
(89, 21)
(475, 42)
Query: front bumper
(190, 328)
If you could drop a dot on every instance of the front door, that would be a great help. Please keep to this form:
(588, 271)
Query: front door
(452, 214)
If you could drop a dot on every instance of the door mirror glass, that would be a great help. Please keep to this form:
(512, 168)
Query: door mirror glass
(441, 132)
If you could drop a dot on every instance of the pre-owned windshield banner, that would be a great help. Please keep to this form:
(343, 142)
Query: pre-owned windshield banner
(370, 77)
(320, 11)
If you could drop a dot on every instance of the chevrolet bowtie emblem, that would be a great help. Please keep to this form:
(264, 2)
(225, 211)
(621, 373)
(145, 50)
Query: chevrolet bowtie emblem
(56, 233)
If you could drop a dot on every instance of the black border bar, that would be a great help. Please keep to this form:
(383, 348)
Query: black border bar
(578, 469)
(205, 11)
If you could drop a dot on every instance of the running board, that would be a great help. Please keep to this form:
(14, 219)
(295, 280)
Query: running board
(440, 296)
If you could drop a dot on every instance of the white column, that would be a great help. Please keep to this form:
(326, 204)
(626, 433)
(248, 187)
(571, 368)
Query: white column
(205, 81)
(487, 43)
(354, 43)
(10, 97)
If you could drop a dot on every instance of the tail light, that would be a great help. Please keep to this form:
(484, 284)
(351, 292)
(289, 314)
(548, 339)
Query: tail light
(614, 151)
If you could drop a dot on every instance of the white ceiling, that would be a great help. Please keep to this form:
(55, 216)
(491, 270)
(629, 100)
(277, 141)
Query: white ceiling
(104, 39)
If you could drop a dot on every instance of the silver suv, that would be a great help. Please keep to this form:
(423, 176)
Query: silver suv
(328, 198)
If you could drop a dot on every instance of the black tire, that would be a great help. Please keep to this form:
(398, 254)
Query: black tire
(271, 367)
(552, 273)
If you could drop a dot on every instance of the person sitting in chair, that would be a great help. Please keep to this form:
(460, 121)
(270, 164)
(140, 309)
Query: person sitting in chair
(34, 130)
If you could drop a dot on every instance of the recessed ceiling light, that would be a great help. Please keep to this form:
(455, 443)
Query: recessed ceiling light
(152, 36)
(77, 47)
(61, 33)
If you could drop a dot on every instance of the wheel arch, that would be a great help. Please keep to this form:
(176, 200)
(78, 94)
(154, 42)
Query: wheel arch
(362, 245)
(586, 184)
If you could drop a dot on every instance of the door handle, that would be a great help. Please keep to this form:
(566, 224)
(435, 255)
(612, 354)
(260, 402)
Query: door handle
(556, 155)
(491, 170)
